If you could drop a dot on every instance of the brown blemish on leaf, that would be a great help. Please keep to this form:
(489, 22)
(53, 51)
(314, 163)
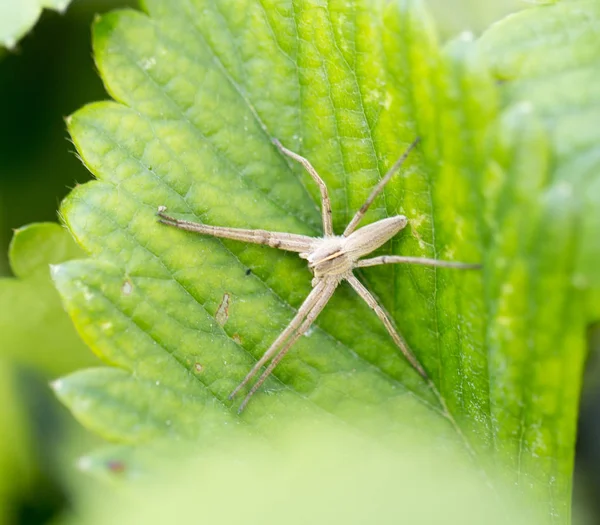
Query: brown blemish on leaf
(116, 466)
(198, 367)
(222, 314)
(237, 338)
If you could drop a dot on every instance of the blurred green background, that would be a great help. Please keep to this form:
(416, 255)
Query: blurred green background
(49, 75)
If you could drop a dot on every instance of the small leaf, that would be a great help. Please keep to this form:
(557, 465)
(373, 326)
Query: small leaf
(17, 17)
(35, 328)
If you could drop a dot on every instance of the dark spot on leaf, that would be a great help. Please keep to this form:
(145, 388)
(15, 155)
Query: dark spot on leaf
(248, 271)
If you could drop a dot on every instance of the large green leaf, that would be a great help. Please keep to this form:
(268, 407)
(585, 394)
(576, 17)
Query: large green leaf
(17, 17)
(201, 88)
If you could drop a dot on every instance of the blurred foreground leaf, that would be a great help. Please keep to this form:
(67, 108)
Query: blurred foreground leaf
(200, 89)
(17, 17)
(359, 481)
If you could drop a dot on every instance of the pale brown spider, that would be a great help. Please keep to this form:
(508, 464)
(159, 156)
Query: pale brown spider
(331, 259)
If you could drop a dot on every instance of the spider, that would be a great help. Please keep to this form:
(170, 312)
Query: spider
(331, 258)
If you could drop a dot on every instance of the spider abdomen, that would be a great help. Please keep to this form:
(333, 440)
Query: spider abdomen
(368, 238)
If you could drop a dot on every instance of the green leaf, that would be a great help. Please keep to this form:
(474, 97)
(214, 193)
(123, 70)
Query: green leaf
(546, 61)
(151, 295)
(35, 329)
(554, 74)
(17, 17)
(200, 89)
(36, 334)
(360, 481)
(471, 15)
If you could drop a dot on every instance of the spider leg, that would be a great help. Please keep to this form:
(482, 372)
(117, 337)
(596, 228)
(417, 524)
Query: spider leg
(382, 314)
(396, 259)
(284, 241)
(325, 201)
(311, 300)
(310, 318)
(378, 189)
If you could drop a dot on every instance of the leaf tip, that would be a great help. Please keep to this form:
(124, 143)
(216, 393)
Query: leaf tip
(9, 43)
(103, 26)
(61, 7)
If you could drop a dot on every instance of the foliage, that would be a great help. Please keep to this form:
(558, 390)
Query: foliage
(17, 17)
(505, 175)
(359, 481)
(17, 464)
(38, 336)
(30, 299)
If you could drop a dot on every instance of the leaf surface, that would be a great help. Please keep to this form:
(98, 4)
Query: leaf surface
(200, 89)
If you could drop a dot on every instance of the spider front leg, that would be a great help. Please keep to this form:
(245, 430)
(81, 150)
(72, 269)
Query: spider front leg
(284, 241)
(379, 188)
(325, 201)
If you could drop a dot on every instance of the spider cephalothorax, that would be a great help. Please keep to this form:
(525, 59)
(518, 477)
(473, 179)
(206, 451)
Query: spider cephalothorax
(338, 255)
(331, 258)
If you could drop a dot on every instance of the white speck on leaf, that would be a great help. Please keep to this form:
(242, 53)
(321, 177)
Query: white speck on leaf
(84, 463)
(148, 63)
(127, 287)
